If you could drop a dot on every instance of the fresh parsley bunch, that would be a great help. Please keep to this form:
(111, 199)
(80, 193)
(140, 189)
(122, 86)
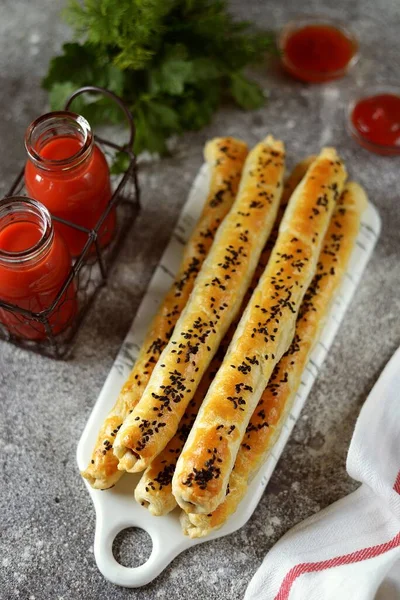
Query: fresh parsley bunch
(172, 61)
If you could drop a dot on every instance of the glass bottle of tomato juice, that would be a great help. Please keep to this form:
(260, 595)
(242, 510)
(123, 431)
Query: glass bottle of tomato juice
(68, 173)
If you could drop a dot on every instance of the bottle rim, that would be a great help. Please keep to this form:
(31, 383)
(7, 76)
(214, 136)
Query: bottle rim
(16, 208)
(53, 124)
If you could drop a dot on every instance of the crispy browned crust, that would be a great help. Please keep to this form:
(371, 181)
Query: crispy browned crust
(225, 157)
(272, 410)
(154, 490)
(212, 306)
(261, 338)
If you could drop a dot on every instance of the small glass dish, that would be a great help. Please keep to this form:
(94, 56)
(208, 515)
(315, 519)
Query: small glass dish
(318, 21)
(356, 134)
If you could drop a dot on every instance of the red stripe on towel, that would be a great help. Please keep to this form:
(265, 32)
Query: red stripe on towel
(346, 559)
(396, 486)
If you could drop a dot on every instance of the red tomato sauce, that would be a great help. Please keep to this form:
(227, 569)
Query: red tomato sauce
(60, 148)
(35, 283)
(18, 237)
(317, 53)
(79, 194)
(377, 120)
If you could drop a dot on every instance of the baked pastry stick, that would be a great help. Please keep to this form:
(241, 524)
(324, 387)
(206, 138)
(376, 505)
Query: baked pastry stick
(276, 402)
(225, 158)
(263, 335)
(212, 306)
(154, 490)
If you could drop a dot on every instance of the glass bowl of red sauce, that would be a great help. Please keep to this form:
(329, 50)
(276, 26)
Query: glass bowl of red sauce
(317, 49)
(373, 119)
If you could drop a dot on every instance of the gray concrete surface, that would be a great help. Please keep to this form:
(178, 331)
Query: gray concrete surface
(47, 519)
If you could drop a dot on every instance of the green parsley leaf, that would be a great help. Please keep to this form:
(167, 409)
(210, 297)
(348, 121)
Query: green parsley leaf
(247, 94)
(171, 77)
(155, 122)
(81, 65)
(59, 94)
(120, 163)
(197, 107)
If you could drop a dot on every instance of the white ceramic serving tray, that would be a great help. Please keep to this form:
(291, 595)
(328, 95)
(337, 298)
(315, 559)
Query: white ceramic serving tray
(116, 508)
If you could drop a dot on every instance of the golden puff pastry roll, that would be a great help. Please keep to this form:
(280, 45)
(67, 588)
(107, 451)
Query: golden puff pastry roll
(276, 402)
(225, 158)
(211, 308)
(297, 174)
(154, 490)
(263, 335)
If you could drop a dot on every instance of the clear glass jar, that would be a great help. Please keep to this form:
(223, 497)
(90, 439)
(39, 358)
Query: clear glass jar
(34, 266)
(69, 174)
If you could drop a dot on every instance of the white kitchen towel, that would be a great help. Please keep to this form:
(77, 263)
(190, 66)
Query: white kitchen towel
(346, 551)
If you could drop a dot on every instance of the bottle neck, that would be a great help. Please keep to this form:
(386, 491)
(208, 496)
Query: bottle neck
(26, 232)
(59, 141)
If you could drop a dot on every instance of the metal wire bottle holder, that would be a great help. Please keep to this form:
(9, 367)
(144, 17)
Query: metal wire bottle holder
(90, 269)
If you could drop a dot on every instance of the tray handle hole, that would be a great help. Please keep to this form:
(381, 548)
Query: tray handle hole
(132, 547)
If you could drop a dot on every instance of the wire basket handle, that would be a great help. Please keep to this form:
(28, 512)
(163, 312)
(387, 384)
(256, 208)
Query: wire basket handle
(99, 90)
